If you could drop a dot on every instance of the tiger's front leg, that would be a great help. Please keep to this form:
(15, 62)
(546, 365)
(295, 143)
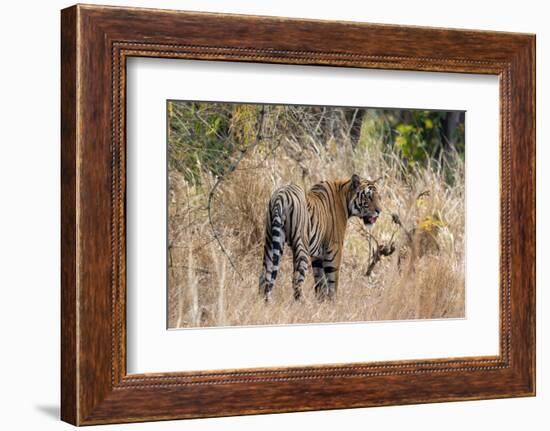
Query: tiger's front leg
(331, 268)
(321, 285)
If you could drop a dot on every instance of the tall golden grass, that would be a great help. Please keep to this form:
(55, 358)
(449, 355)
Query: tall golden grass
(422, 279)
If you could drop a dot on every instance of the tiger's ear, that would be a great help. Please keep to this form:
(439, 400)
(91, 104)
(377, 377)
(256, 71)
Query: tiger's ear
(355, 181)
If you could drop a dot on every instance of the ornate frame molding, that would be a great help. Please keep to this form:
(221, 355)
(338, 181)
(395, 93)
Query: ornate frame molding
(96, 41)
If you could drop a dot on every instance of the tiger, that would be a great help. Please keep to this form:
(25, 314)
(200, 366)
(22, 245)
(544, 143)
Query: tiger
(314, 224)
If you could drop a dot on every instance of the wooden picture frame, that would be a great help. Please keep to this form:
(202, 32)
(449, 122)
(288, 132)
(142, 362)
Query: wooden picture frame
(95, 43)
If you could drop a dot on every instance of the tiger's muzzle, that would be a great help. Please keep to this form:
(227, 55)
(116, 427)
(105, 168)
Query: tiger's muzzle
(370, 218)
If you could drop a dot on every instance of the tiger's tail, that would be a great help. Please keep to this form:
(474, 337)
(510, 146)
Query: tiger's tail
(274, 245)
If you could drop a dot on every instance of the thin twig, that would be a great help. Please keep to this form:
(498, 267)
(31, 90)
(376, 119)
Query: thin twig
(355, 112)
(259, 165)
(220, 179)
(193, 268)
(422, 194)
(385, 250)
(379, 250)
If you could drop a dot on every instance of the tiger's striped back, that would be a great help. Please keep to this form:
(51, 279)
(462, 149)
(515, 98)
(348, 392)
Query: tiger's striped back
(314, 225)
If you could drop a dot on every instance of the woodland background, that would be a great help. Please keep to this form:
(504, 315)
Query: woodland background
(225, 160)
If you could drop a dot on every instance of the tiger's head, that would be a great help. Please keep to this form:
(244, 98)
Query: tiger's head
(364, 201)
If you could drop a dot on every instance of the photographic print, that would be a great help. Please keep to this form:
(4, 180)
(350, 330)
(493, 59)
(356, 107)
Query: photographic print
(294, 214)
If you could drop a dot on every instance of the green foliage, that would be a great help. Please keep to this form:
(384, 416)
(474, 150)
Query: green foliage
(421, 137)
(199, 138)
(418, 136)
(209, 136)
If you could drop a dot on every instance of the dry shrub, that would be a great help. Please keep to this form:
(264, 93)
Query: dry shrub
(423, 280)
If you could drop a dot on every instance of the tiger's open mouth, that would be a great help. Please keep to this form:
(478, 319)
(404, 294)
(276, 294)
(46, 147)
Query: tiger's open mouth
(369, 220)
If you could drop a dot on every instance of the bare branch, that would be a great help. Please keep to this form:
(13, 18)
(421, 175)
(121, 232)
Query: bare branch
(385, 250)
(220, 179)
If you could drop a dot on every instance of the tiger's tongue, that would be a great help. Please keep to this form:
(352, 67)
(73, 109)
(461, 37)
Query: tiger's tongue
(369, 219)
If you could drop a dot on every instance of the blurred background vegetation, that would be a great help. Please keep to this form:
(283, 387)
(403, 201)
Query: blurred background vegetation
(206, 136)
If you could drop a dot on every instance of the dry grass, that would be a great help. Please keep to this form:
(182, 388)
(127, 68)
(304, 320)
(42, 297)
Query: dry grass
(423, 279)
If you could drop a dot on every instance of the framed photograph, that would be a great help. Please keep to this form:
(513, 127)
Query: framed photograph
(264, 214)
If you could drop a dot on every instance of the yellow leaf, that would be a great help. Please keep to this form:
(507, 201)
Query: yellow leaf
(430, 224)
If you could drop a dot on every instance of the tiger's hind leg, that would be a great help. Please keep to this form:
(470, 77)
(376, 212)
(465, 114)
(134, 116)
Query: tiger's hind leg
(272, 256)
(265, 273)
(321, 286)
(301, 261)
